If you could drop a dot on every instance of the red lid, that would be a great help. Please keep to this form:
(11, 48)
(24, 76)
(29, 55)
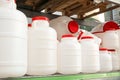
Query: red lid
(87, 37)
(29, 25)
(67, 35)
(111, 29)
(110, 24)
(73, 26)
(40, 18)
(98, 32)
(119, 29)
(112, 50)
(103, 49)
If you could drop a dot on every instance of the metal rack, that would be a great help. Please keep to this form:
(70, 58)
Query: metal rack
(70, 77)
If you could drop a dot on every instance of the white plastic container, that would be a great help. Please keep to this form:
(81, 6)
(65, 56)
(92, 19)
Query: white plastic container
(105, 60)
(29, 26)
(13, 40)
(42, 48)
(69, 55)
(64, 25)
(115, 59)
(118, 50)
(111, 39)
(8, 4)
(99, 34)
(86, 33)
(90, 55)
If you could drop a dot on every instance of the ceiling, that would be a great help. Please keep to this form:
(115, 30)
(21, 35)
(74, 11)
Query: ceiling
(81, 8)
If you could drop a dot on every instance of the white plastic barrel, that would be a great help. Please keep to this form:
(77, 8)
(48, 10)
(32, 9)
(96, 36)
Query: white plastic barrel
(86, 33)
(13, 40)
(57, 55)
(69, 55)
(90, 55)
(118, 50)
(64, 25)
(29, 26)
(8, 4)
(99, 34)
(42, 48)
(115, 59)
(111, 39)
(105, 60)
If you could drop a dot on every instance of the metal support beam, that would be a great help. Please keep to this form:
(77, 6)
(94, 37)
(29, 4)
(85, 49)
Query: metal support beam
(109, 9)
(115, 1)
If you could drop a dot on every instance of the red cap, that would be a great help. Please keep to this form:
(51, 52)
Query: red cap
(29, 25)
(87, 37)
(67, 35)
(40, 18)
(73, 26)
(110, 24)
(111, 29)
(112, 50)
(119, 29)
(98, 32)
(103, 49)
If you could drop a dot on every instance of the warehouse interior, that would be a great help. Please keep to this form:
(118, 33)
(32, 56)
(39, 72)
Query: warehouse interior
(62, 39)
